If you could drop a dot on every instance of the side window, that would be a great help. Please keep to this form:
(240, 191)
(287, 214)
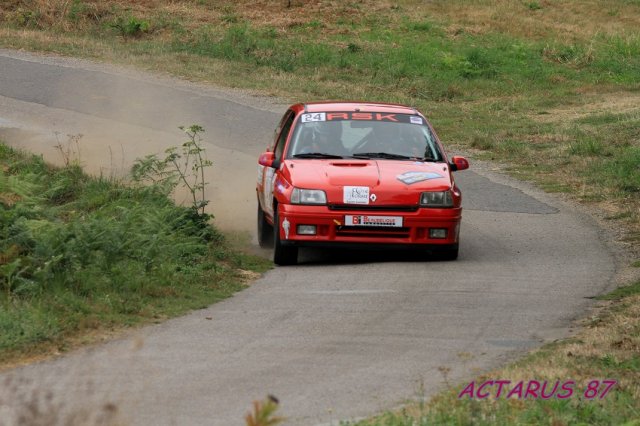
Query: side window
(276, 133)
(284, 132)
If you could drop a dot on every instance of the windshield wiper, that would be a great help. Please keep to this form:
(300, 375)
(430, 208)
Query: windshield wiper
(317, 155)
(389, 156)
(380, 155)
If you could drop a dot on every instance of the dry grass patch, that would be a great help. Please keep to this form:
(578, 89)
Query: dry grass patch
(592, 103)
(277, 14)
(564, 20)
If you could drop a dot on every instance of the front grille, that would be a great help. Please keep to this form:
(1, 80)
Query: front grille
(372, 232)
(369, 208)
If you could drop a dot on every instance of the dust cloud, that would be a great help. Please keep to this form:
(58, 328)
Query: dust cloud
(119, 119)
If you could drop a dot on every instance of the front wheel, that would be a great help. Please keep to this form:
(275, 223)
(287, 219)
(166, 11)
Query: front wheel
(448, 252)
(282, 255)
(265, 230)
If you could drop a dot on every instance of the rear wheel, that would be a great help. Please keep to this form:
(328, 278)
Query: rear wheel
(265, 230)
(282, 255)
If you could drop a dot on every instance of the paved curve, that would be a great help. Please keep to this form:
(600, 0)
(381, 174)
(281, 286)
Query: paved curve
(340, 336)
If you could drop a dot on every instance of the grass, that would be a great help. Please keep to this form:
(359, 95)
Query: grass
(80, 256)
(550, 89)
(622, 292)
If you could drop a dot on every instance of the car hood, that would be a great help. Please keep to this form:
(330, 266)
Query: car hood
(392, 182)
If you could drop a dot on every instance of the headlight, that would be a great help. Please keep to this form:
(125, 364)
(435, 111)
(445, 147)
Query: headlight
(436, 199)
(308, 196)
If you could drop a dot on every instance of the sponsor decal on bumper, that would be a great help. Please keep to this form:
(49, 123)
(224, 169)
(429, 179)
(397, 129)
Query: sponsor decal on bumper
(366, 220)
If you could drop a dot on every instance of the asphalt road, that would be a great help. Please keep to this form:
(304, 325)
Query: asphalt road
(341, 336)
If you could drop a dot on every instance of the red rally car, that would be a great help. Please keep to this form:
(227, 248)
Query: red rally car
(349, 174)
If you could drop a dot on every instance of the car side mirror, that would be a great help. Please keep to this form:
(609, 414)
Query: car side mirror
(458, 163)
(266, 159)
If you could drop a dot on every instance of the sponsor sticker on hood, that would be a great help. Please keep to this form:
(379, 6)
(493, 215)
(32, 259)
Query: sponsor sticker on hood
(356, 195)
(413, 177)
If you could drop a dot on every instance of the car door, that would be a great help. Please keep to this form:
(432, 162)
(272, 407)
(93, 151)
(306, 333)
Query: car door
(269, 173)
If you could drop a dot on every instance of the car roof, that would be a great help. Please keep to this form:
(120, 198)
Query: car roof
(331, 106)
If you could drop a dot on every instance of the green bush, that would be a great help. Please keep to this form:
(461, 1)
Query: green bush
(130, 26)
(76, 250)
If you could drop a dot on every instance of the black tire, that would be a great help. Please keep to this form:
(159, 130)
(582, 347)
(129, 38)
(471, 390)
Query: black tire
(265, 231)
(282, 255)
(448, 253)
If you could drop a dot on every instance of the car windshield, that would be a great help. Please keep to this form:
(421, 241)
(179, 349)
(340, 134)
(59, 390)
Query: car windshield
(363, 135)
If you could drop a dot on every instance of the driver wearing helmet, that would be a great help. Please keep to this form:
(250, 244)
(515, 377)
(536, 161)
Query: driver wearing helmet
(327, 140)
(325, 143)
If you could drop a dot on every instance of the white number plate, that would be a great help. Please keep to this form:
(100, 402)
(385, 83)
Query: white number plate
(315, 116)
(366, 220)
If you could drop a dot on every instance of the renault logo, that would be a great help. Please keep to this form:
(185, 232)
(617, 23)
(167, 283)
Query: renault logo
(373, 197)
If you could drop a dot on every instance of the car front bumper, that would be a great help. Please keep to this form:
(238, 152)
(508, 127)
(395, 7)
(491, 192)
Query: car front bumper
(331, 229)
